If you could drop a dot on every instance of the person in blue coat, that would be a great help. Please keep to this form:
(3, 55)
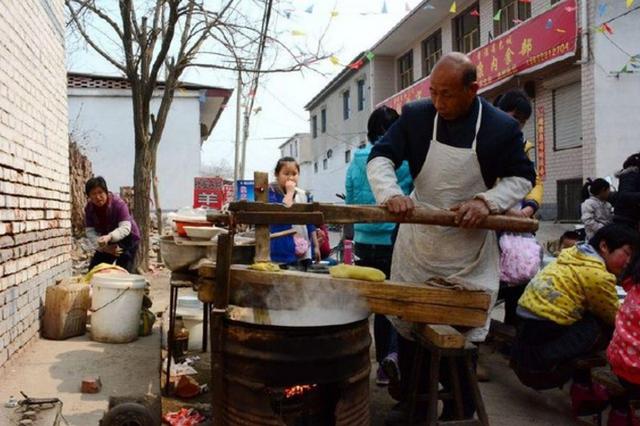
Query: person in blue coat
(373, 241)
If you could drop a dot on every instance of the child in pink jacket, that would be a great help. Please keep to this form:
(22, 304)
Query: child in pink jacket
(624, 349)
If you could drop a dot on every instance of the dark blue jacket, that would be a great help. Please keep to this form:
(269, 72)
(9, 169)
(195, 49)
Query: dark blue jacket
(283, 249)
(499, 145)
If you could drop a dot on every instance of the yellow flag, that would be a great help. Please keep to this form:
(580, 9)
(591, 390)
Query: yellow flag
(453, 7)
(629, 4)
(297, 33)
(334, 13)
(334, 60)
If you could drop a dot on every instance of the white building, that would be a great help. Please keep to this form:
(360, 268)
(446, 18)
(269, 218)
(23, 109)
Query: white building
(338, 115)
(101, 119)
(585, 109)
(298, 146)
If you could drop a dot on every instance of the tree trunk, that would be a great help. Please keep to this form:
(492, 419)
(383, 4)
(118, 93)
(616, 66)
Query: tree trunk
(142, 179)
(156, 199)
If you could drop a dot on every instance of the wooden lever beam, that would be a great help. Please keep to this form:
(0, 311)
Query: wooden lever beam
(251, 213)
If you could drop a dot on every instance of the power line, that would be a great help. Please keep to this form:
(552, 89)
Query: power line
(621, 15)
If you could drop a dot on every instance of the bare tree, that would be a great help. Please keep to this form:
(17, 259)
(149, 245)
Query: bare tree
(144, 38)
(222, 168)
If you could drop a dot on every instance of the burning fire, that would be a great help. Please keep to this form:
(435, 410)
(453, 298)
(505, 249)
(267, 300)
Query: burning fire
(298, 390)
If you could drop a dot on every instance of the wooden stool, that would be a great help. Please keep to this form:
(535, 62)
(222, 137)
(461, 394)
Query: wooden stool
(445, 343)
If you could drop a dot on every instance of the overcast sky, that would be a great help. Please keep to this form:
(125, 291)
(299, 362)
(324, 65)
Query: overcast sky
(281, 97)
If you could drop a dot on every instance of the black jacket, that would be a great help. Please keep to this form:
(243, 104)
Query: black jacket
(499, 147)
(626, 206)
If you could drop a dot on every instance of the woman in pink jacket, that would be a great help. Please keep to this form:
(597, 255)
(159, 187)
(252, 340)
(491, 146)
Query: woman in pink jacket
(624, 349)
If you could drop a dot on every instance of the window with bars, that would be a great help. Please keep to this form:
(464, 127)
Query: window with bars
(323, 120)
(405, 70)
(360, 95)
(511, 12)
(314, 126)
(431, 52)
(346, 104)
(466, 30)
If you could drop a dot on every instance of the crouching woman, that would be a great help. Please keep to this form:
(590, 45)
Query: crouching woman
(568, 311)
(109, 226)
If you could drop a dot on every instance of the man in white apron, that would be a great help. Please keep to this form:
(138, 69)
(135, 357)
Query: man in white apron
(464, 155)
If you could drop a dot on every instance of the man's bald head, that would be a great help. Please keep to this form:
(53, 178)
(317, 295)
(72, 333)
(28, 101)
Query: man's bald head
(453, 85)
(458, 63)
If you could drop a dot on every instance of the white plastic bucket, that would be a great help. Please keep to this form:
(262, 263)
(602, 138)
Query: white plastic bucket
(115, 307)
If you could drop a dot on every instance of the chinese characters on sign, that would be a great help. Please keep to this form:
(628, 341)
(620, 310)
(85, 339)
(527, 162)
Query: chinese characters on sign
(526, 47)
(211, 192)
(540, 142)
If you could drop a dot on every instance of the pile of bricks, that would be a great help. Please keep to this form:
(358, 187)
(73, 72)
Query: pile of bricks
(79, 172)
(35, 226)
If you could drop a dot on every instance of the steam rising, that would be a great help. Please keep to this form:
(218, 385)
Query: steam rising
(312, 304)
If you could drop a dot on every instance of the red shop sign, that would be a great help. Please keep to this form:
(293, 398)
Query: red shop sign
(547, 38)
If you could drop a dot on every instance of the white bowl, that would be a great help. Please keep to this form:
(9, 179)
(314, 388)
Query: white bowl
(203, 232)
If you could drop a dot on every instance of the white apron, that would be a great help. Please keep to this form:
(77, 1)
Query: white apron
(449, 176)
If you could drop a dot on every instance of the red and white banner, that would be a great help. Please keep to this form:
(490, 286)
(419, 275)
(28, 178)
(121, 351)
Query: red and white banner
(547, 38)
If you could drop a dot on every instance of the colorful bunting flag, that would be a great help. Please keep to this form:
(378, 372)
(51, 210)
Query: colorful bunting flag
(606, 28)
(370, 56)
(384, 6)
(453, 8)
(357, 64)
(602, 9)
(287, 14)
(474, 12)
(517, 21)
(624, 69)
(334, 60)
(570, 8)
(498, 15)
(298, 33)
(629, 4)
(560, 30)
(549, 24)
(429, 7)
(309, 9)
(334, 13)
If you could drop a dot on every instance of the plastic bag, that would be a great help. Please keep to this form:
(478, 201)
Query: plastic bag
(520, 258)
(301, 245)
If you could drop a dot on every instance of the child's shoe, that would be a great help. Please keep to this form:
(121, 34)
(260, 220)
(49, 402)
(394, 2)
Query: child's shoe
(587, 399)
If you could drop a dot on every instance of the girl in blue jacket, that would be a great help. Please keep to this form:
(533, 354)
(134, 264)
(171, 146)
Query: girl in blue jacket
(295, 250)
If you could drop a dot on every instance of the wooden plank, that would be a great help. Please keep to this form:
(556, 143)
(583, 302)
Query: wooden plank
(263, 243)
(387, 290)
(279, 218)
(412, 302)
(442, 336)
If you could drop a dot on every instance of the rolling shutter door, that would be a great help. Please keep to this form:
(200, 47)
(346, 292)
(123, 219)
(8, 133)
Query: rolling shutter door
(567, 116)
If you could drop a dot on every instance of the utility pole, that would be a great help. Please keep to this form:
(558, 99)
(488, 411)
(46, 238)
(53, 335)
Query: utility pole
(236, 158)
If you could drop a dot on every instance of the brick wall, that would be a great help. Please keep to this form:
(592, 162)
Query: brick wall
(34, 169)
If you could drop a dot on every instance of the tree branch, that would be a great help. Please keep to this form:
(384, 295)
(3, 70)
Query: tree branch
(90, 42)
